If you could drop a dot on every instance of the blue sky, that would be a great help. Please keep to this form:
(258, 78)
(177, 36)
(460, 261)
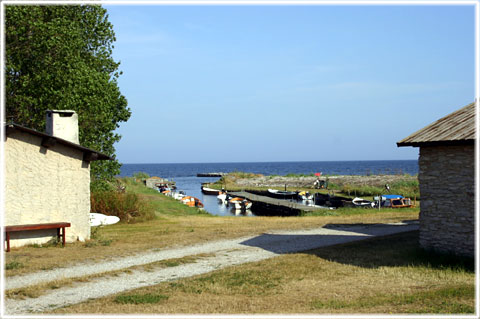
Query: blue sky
(287, 83)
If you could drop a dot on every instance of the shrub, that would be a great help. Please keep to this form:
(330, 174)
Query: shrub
(140, 175)
(129, 207)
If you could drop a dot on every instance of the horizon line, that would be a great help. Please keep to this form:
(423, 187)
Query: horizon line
(272, 162)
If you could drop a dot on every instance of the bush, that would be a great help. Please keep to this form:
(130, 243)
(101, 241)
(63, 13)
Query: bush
(140, 175)
(129, 207)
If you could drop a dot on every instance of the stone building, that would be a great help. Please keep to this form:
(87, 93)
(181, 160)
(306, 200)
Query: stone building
(447, 182)
(47, 179)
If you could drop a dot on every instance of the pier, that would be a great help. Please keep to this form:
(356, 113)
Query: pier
(210, 174)
(267, 206)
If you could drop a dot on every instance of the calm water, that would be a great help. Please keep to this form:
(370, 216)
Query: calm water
(185, 175)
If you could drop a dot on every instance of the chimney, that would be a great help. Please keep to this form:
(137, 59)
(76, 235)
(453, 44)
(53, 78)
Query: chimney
(63, 124)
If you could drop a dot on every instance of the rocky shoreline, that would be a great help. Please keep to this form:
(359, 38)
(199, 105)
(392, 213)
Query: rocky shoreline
(307, 181)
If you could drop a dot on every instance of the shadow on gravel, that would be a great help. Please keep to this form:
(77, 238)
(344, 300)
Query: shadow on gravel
(281, 244)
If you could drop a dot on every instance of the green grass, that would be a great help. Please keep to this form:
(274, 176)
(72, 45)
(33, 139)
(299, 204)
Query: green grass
(348, 211)
(443, 300)
(13, 265)
(140, 299)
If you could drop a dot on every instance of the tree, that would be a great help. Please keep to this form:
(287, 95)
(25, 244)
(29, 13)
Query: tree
(60, 57)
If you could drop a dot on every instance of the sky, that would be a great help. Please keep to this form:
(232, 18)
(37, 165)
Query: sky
(255, 83)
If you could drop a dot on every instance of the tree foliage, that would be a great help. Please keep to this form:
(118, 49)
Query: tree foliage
(60, 57)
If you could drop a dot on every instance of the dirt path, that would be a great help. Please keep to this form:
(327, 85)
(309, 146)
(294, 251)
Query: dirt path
(223, 254)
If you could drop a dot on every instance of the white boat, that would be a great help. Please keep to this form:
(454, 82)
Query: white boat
(222, 198)
(305, 196)
(210, 191)
(239, 203)
(360, 202)
(97, 219)
(275, 193)
(178, 195)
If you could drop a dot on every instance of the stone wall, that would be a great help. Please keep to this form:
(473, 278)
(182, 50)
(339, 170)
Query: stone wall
(45, 185)
(447, 189)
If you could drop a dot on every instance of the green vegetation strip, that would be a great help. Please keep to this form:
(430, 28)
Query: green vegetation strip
(444, 300)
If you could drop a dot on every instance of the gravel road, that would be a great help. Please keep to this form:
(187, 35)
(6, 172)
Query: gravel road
(223, 253)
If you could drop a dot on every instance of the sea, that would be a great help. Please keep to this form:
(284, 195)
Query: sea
(185, 174)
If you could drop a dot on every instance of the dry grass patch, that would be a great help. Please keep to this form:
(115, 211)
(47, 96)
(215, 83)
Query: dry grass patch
(35, 291)
(381, 275)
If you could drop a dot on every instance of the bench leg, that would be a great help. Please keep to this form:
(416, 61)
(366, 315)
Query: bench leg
(63, 236)
(7, 238)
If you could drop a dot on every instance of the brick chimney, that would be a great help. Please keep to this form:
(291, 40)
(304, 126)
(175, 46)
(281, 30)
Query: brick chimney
(63, 124)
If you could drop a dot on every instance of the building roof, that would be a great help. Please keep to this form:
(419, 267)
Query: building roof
(50, 140)
(457, 128)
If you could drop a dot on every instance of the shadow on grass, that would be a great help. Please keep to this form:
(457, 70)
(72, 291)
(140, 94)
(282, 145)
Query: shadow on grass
(393, 250)
(360, 249)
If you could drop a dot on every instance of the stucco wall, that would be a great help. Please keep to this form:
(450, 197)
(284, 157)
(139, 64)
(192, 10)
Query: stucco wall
(447, 189)
(45, 185)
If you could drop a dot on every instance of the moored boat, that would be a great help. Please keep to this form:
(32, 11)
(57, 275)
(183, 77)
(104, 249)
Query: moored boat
(210, 191)
(192, 201)
(360, 202)
(239, 203)
(222, 197)
(305, 196)
(393, 201)
(275, 193)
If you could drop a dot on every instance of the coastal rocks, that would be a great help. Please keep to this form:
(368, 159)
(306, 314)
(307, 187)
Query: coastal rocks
(307, 181)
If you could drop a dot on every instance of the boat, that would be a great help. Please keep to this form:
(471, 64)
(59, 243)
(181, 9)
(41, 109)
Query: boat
(275, 193)
(393, 201)
(210, 191)
(222, 197)
(305, 196)
(97, 219)
(239, 203)
(360, 202)
(192, 201)
(178, 195)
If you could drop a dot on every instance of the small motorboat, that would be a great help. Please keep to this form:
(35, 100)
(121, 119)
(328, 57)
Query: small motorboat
(191, 201)
(178, 195)
(222, 197)
(393, 201)
(210, 191)
(360, 202)
(305, 196)
(239, 203)
(275, 193)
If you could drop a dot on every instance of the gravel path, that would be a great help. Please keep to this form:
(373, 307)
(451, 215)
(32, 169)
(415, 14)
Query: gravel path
(226, 253)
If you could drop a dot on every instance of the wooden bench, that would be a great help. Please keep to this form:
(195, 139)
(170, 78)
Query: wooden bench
(57, 226)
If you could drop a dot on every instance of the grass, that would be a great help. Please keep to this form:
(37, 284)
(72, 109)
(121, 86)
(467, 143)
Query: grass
(176, 224)
(140, 299)
(37, 290)
(385, 275)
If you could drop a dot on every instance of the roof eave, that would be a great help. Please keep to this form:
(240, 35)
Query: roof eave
(89, 155)
(437, 143)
